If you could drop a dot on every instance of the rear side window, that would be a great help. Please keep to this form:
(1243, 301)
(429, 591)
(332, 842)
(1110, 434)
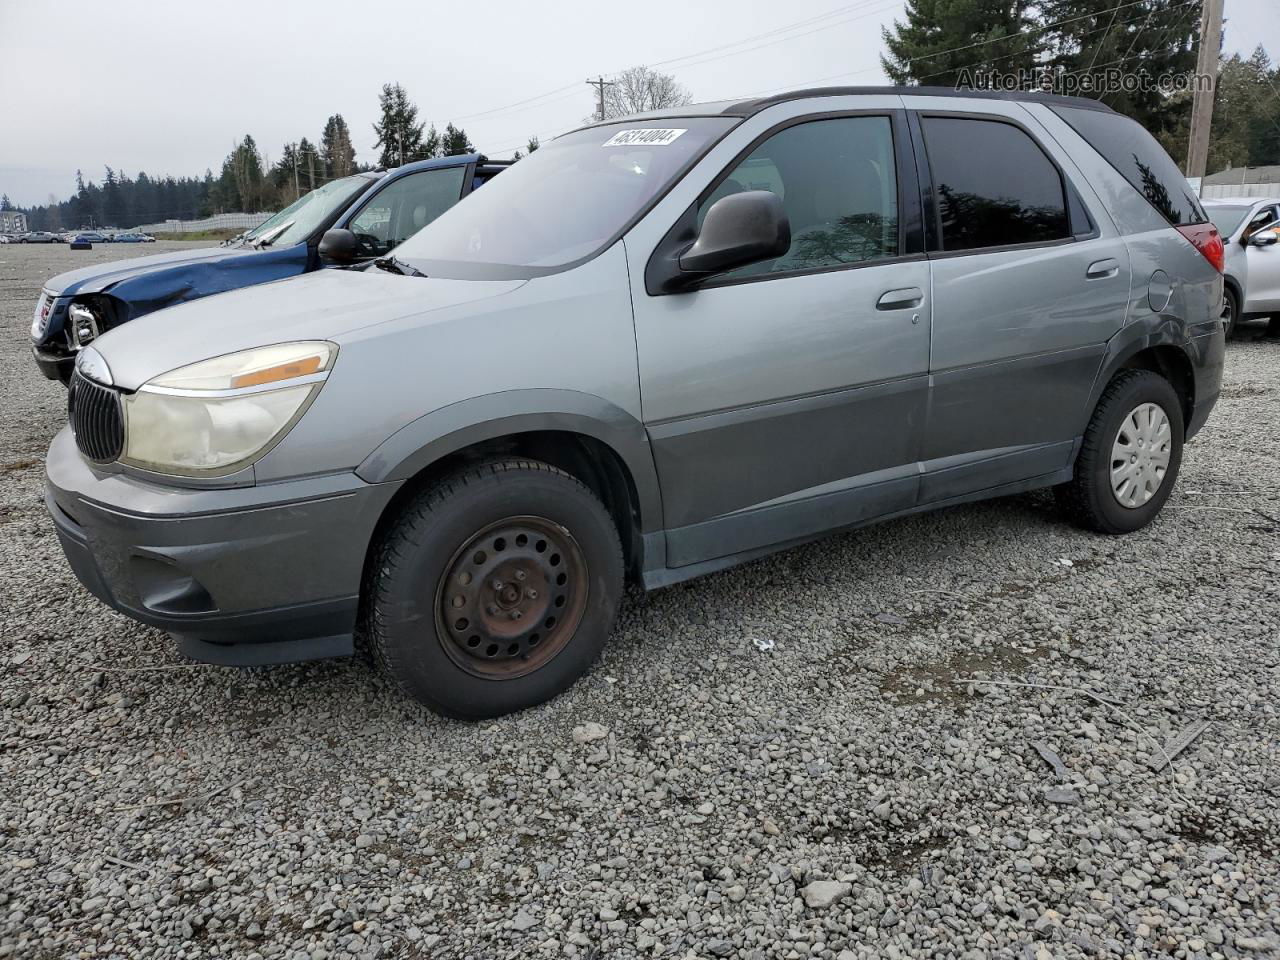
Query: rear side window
(994, 186)
(1139, 159)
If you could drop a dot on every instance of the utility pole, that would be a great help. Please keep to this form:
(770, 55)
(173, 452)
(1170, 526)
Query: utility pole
(600, 85)
(1202, 98)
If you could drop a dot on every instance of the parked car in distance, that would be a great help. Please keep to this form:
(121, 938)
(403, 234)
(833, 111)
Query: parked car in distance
(40, 236)
(375, 210)
(90, 236)
(1250, 228)
(655, 348)
(128, 238)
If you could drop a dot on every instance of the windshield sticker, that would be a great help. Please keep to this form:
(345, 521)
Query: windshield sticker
(642, 138)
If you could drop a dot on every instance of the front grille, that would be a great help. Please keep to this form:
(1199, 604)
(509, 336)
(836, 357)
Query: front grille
(96, 419)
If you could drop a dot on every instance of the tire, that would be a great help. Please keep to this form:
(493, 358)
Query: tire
(467, 554)
(1230, 311)
(1089, 499)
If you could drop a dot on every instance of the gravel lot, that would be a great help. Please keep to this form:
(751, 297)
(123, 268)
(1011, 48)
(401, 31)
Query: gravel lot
(835, 796)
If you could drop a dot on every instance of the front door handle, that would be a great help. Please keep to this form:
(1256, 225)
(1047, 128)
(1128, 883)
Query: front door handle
(903, 299)
(1102, 268)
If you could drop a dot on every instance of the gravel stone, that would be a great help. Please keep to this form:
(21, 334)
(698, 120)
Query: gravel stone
(845, 795)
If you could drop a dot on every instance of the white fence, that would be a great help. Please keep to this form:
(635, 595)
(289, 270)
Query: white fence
(219, 221)
(1215, 190)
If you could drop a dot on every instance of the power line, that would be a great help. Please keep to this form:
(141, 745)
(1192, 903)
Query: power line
(689, 56)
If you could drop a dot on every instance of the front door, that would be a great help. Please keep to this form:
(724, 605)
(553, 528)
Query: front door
(403, 207)
(1027, 289)
(788, 397)
(1262, 293)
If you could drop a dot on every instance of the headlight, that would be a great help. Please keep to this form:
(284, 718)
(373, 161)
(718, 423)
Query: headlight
(217, 416)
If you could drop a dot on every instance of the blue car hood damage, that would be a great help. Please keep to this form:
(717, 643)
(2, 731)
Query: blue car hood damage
(148, 284)
(103, 276)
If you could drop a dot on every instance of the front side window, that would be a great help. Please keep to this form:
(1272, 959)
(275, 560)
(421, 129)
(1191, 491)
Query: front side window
(1264, 219)
(406, 206)
(563, 203)
(993, 185)
(838, 185)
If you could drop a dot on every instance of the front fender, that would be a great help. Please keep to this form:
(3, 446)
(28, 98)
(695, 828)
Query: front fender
(449, 429)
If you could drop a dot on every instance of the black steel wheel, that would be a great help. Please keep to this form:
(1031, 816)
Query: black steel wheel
(494, 589)
(512, 597)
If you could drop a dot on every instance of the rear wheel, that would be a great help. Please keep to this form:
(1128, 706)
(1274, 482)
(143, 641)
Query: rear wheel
(1130, 456)
(495, 589)
(1230, 311)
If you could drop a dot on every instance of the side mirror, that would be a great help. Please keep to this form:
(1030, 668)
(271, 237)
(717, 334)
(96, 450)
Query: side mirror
(1264, 238)
(339, 246)
(740, 229)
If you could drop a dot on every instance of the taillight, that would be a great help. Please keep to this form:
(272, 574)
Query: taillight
(1205, 238)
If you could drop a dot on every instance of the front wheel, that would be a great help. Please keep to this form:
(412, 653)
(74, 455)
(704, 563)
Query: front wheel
(1130, 456)
(495, 589)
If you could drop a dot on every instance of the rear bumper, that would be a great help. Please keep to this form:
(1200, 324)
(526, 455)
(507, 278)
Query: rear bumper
(242, 576)
(1208, 355)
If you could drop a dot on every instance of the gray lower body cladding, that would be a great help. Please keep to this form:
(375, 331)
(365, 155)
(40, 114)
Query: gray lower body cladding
(254, 575)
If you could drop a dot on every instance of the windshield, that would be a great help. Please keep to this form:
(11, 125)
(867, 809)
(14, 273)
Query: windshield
(1226, 218)
(299, 220)
(562, 203)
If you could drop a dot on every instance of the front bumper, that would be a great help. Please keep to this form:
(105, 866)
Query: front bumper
(246, 575)
(55, 366)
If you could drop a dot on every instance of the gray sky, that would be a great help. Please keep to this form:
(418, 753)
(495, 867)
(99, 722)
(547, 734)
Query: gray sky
(168, 87)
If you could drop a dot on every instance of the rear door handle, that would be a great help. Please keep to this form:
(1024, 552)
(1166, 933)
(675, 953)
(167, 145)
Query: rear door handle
(902, 299)
(1102, 268)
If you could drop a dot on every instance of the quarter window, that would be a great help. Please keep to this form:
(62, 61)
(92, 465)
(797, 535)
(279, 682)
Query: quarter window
(405, 207)
(1125, 145)
(837, 183)
(993, 185)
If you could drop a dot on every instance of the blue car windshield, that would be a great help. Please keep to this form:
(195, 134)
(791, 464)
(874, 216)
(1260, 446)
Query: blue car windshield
(564, 203)
(296, 222)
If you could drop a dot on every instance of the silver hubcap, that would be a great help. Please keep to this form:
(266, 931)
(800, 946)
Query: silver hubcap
(1140, 455)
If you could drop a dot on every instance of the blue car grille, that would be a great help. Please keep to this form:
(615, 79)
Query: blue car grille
(96, 419)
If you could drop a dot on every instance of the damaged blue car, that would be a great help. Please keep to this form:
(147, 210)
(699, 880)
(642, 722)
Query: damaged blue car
(367, 214)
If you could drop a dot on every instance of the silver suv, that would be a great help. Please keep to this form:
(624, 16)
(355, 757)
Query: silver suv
(652, 349)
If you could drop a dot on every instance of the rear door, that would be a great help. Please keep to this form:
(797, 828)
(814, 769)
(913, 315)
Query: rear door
(1028, 286)
(787, 398)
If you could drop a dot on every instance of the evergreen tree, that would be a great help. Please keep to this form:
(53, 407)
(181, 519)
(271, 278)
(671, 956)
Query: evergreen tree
(922, 49)
(4, 203)
(1093, 41)
(399, 133)
(335, 148)
(246, 171)
(430, 145)
(533, 144)
(454, 142)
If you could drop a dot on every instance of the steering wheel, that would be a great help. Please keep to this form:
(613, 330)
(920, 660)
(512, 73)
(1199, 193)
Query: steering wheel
(368, 245)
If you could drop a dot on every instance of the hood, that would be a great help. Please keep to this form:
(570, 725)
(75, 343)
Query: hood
(102, 276)
(325, 305)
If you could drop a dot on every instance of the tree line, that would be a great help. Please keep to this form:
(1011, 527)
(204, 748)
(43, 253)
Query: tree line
(248, 181)
(1095, 48)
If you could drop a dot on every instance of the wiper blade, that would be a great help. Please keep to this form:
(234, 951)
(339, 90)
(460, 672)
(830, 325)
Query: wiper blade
(396, 265)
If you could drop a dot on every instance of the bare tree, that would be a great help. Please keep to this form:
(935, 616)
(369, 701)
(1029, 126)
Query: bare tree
(640, 89)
